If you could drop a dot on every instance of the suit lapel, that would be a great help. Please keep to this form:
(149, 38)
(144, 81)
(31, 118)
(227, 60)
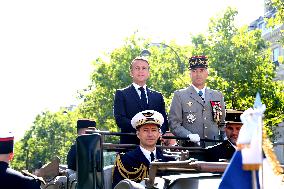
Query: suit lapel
(159, 155)
(208, 94)
(142, 157)
(194, 95)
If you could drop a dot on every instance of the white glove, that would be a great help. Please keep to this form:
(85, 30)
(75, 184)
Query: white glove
(194, 138)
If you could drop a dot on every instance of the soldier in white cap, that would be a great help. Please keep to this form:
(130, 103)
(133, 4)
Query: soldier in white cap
(134, 165)
(9, 178)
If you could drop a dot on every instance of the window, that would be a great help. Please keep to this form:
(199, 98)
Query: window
(275, 54)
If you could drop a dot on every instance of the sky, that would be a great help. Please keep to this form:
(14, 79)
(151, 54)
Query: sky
(47, 47)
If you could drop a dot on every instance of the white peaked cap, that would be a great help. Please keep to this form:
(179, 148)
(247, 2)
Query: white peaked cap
(147, 117)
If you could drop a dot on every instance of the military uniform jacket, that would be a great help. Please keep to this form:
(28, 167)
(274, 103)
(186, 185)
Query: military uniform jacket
(11, 179)
(223, 150)
(189, 114)
(134, 166)
(127, 104)
(71, 158)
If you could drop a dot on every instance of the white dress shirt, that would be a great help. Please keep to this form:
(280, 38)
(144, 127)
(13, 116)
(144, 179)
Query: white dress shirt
(147, 153)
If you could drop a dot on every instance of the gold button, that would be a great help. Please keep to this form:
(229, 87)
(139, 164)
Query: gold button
(204, 109)
(205, 136)
(205, 127)
(205, 118)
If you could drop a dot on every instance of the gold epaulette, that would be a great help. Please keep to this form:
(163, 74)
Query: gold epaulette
(136, 174)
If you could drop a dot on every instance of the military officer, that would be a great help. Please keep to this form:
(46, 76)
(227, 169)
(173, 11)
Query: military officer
(197, 111)
(10, 178)
(134, 165)
(82, 126)
(226, 149)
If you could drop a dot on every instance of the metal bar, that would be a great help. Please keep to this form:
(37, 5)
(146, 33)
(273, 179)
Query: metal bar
(115, 146)
(133, 134)
(278, 143)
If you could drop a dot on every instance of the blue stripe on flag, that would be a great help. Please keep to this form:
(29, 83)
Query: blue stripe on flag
(235, 177)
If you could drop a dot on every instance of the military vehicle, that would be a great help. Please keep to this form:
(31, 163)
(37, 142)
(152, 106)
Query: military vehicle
(93, 173)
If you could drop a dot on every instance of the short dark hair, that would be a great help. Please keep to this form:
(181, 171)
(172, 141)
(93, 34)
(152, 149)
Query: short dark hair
(138, 58)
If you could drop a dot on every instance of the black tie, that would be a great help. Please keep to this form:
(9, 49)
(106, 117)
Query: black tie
(200, 93)
(152, 156)
(143, 98)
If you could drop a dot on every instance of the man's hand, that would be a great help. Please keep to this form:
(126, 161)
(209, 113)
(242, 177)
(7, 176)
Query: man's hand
(194, 138)
(168, 142)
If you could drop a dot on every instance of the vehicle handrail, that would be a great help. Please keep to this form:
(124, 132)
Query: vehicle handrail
(133, 134)
(115, 146)
(189, 165)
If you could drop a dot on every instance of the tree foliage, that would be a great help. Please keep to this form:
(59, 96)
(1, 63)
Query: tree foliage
(278, 19)
(109, 75)
(239, 67)
(242, 65)
(51, 135)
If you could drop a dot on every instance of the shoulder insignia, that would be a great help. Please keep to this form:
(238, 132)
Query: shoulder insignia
(136, 174)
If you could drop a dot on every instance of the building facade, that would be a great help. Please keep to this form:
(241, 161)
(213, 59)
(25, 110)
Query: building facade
(273, 36)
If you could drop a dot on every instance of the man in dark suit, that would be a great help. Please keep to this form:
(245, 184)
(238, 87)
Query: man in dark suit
(82, 126)
(134, 165)
(226, 149)
(136, 98)
(9, 178)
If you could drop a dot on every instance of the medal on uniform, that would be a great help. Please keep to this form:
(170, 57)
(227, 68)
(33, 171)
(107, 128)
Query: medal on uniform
(189, 103)
(216, 111)
(191, 118)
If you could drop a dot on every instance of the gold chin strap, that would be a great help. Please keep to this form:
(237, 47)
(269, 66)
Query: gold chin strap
(136, 174)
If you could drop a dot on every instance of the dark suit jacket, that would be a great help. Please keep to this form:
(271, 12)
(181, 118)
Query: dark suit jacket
(11, 179)
(127, 104)
(133, 161)
(223, 150)
(71, 158)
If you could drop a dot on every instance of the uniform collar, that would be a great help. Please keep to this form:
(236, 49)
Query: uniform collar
(197, 90)
(147, 153)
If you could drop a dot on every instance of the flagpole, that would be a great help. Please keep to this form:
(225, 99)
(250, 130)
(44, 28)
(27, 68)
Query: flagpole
(262, 132)
(253, 177)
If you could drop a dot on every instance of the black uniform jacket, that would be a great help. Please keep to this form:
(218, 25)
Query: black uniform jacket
(71, 158)
(127, 104)
(134, 166)
(223, 150)
(11, 179)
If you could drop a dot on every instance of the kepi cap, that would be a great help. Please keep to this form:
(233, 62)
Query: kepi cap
(147, 117)
(85, 123)
(6, 142)
(198, 62)
(233, 116)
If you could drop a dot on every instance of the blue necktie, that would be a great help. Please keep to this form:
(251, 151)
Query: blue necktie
(152, 156)
(143, 98)
(200, 93)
